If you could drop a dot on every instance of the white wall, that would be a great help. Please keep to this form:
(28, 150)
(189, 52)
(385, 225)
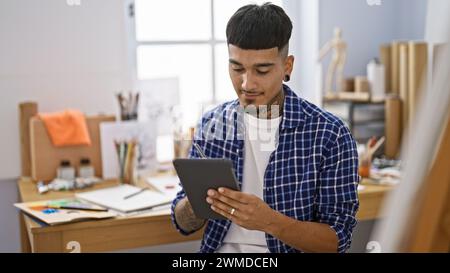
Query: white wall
(60, 56)
(364, 29)
(304, 44)
(413, 19)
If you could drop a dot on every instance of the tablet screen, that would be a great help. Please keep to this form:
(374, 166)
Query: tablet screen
(197, 176)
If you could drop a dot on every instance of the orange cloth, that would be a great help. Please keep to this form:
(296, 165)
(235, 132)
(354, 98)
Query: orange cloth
(66, 128)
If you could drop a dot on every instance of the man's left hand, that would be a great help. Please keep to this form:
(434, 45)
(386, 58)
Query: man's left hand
(245, 210)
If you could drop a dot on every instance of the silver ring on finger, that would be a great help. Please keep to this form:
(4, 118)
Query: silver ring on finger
(232, 211)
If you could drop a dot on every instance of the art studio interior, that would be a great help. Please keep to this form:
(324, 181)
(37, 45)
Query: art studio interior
(108, 107)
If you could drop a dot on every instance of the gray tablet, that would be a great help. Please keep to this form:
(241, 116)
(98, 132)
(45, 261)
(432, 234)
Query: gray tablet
(197, 176)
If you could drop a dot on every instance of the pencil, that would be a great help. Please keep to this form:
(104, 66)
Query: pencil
(134, 194)
(74, 208)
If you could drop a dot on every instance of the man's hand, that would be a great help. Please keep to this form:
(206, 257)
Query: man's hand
(250, 212)
(245, 210)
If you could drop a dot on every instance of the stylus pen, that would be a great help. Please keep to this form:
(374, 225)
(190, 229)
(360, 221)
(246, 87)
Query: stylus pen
(199, 150)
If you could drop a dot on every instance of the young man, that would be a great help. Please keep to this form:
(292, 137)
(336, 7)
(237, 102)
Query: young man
(296, 164)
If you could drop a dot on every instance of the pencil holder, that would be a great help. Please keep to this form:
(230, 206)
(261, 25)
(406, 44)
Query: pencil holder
(126, 154)
(128, 105)
(182, 143)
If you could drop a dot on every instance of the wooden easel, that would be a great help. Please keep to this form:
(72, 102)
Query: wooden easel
(430, 227)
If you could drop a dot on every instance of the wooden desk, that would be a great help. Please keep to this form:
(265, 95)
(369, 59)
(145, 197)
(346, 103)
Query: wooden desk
(371, 199)
(153, 228)
(149, 229)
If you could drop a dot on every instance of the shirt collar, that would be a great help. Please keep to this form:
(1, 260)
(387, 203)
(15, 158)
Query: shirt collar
(293, 115)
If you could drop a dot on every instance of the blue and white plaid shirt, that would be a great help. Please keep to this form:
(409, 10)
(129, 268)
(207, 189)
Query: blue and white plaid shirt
(311, 176)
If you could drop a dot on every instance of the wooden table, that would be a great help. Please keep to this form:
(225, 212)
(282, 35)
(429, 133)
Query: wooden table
(154, 228)
(151, 228)
(371, 200)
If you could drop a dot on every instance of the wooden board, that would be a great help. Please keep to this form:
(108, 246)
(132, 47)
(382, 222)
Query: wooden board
(26, 111)
(354, 96)
(395, 66)
(393, 130)
(385, 59)
(45, 158)
(418, 64)
(430, 228)
(403, 84)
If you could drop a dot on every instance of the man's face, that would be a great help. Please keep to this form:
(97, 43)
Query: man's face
(257, 75)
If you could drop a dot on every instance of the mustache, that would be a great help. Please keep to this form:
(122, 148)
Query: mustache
(251, 92)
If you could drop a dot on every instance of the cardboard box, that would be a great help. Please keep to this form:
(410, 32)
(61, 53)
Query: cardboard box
(362, 84)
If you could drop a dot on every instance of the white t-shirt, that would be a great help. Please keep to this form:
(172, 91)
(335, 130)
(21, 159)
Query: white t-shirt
(261, 138)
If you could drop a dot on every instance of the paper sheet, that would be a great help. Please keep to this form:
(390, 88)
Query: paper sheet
(168, 185)
(114, 198)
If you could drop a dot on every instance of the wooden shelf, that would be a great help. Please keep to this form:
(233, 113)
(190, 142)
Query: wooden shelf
(351, 97)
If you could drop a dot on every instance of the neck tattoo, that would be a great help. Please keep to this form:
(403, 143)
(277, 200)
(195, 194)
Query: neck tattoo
(273, 109)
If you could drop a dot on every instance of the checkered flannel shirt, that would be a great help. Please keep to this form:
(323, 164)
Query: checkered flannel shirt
(311, 176)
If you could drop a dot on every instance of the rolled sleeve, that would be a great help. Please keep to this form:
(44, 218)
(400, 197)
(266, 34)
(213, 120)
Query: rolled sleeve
(337, 194)
(181, 194)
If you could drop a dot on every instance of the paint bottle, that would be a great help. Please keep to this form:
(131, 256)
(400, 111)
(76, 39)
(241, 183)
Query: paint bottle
(376, 77)
(65, 171)
(86, 170)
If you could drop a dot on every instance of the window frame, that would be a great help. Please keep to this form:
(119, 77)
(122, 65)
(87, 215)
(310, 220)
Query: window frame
(212, 43)
(134, 44)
